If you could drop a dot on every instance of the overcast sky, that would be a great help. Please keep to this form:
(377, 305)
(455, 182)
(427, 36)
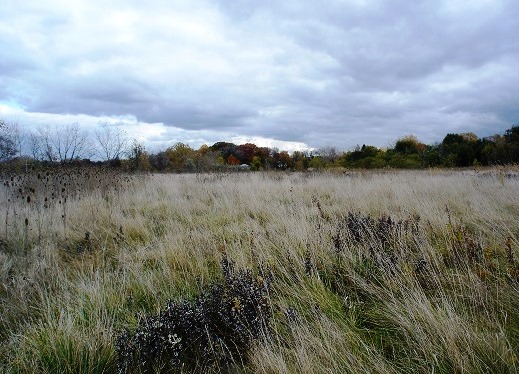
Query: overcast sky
(291, 74)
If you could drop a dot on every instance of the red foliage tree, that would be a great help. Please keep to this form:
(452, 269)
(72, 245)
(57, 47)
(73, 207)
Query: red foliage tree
(231, 160)
(246, 152)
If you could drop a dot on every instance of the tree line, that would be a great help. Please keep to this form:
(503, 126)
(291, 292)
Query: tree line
(111, 145)
(455, 150)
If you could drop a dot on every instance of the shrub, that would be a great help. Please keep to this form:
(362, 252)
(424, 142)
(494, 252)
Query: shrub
(383, 232)
(215, 330)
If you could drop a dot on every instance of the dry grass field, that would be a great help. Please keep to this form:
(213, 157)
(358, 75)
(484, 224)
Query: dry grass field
(397, 271)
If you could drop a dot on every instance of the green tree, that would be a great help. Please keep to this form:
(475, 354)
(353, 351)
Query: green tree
(365, 157)
(409, 145)
(317, 162)
(462, 149)
(512, 134)
(402, 161)
(256, 163)
(138, 157)
(301, 160)
(450, 150)
(181, 157)
(512, 144)
(431, 156)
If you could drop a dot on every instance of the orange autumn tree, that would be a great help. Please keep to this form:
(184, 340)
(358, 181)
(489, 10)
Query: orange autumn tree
(231, 160)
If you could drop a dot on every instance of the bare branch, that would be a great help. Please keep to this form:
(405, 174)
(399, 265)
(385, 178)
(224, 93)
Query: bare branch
(7, 144)
(62, 144)
(112, 142)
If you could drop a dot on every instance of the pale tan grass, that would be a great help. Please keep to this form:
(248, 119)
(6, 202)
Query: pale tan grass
(165, 236)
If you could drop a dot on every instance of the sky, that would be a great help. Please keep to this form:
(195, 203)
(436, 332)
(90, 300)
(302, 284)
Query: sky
(288, 74)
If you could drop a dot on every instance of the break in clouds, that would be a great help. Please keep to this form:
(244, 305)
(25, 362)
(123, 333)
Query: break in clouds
(291, 74)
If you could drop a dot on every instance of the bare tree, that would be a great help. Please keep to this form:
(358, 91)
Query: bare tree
(112, 142)
(70, 143)
(63, 144)
(46, 147)
(328, 153)
(16, 134)
(7, 144)
(35, 147)
(40, 145)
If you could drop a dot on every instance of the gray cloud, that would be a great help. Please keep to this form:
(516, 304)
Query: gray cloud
(339, 74)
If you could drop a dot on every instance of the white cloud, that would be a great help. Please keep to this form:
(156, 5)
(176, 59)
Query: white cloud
(271, 143)
(297, 73)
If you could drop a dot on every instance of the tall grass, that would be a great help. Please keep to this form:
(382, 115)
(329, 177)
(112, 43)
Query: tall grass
(371, 272)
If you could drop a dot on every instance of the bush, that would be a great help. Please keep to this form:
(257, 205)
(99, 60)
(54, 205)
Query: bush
(216, 330)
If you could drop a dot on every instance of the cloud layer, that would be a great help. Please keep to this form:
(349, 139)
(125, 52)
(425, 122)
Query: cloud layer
(347, 72)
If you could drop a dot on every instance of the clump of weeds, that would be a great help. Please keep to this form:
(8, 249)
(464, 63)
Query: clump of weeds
(214, 331)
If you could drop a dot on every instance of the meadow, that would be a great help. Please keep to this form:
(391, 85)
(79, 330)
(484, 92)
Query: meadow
(355, 271)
